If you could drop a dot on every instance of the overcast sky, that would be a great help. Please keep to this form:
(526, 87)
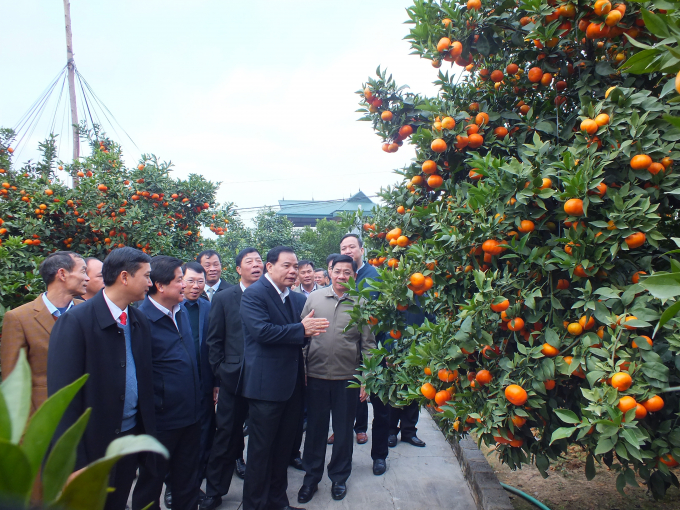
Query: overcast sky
(257, 95)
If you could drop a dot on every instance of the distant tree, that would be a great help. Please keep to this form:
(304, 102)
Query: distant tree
(318, 243)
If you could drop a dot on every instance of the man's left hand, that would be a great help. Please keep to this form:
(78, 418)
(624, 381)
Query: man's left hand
(363, 396)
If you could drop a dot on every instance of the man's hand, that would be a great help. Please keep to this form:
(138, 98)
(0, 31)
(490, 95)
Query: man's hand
(216, 392)
(363, 396)
(314, 327)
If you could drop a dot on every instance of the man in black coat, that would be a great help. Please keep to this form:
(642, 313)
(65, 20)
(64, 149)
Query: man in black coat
(225, 346)
(110, 341)
(272, 377)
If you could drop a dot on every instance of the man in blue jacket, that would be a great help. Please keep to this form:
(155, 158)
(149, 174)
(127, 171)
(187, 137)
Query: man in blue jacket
(177, 390)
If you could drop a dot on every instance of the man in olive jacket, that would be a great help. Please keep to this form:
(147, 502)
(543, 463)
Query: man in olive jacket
(332, 359)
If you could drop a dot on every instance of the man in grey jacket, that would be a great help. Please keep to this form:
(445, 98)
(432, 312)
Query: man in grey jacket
(332, 359)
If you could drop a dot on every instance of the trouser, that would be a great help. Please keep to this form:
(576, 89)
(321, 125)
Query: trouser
(228, 443)
(323, 398)
(272, 430)
(361, 420)
(408, 416)
(208, 424)
(298, 433)
(184, 446)
(122, 475)
(380, 429)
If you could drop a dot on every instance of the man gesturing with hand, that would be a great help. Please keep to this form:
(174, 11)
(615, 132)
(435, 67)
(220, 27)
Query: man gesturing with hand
(272, 377)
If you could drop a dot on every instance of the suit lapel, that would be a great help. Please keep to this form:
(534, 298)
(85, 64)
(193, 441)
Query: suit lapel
(274, 295)
(43, 315)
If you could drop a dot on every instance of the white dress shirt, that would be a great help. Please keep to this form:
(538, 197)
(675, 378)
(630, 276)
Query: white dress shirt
(113, 308)
(283, 294)
(169, 313)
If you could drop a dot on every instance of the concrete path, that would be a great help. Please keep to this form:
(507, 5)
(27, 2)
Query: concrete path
(416, 479)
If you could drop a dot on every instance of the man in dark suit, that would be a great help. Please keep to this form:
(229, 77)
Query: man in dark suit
(272, 376)
(110, 341)
(212, 263)
(177, 390)
(225, 344)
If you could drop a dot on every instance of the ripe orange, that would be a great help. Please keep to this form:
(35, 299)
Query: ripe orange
(549, 351)
(512, 69)
(602, 119)
(516, 324)
(526, 226)
(655, 168)
(646, 338)
(481, 119)
(668, 460)
(401, 210)
(428, 391)
(429, 167)
(497, 76)
(622, 381)
(549, 384)
(575, 328)
(405, 131)
(395, 334)
(483, 377)
(574, 207)
(602, 7)
(417, 279)
(474, 5)
(587, 323)
(589, 126)
(501, 132)
(442, 397)
(456, 49)
(475, 140)
(386, 115)
(443, 44)
(636, 240)
(427, 370)
(666, 162)
(393, 234)
(516, 395)
(626, 404)
(562, 284)
(503, 305)
(653, 404)
(438, 145)
(447, 375)
(535, 74)
(448, 123)
(640, 411)
(518, 421)
(402, 241)
(640, 162)
(434, 181)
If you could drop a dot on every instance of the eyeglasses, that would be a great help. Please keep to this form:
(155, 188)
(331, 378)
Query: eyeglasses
(337, 272)
(194, 282)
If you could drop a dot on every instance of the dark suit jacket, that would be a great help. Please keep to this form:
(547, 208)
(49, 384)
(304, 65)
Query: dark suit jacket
(273, 341)
(208, 381)
(175, 371)
(87, 340)
(223, 286)
(225, 337)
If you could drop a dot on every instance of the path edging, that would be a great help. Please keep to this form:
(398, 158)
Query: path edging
(484, 485)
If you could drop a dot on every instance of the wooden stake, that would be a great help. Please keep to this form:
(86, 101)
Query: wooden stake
(72, 83)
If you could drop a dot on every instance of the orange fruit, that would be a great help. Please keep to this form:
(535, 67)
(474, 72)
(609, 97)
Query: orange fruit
(386, 115)
(501, 132)
(587, 323)
(602, 7)
(405, 131)
(434, 181)
(653, 404)
(402, 241)
(483, 377)
(622, 381)
(395, 334)
(429, 166)
(427, 370)
(526, 226)
(655, 168)
(640, 162)
(518, 421)
(401, 210)
(448, 123)
(512, 69)
(482, 118)
(442, 397)
(636, 240)
(562, 284)
(575, 328)
(428, 391)
(640, 411)
(474, 5)
(516, 324)
(535, 74)
(438, 145)
(499, 307)
(474, 175)
(626, 404)
(417, 279)
(447, 375)
(549, 351)
(497, 76)
(456, 49)
(549, 384)
(602, 119)
(589, 126)
(666, 162)
(475, 140)
(646, 338)
(668, 460)
(574, 207)
(443, 44)
(516, 395)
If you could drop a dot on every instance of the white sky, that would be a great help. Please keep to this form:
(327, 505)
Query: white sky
(258, 95)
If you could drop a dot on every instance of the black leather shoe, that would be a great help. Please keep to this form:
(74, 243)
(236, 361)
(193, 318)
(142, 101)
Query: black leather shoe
(241, 468)
(392, 440)
(297, 463)
(338, 491)
(210, 503)
(306, 493)
(414, 440)
(167, 499)
(379, 467)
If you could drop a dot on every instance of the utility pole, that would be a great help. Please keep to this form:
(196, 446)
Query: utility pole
(72, 82)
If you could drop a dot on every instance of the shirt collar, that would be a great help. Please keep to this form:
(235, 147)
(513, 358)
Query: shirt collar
(169, 313)
(214, 287)
(113, 308)
(283, 294)
(308, 293)
(243, 287)
(330, 292)
(50, 306)
(361, 266)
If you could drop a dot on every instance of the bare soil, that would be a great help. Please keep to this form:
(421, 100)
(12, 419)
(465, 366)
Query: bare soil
(567, 488)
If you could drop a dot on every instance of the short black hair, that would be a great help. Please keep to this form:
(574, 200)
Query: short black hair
(56, 261)
(243, 253)
(194, 266)
(122, 259)
(162, 271)
(319, 269)
(331, 258)
(208, 253)
(306, 262)
(345, 258)
(361, 243)
(273, 254)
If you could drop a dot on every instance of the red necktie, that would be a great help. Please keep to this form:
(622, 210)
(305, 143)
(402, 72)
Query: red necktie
(123, 319)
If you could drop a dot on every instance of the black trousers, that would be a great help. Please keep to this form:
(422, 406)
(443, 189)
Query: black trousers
(272, 428)
(361, 421)
(122, 475)
(323, 398)
(408, 416)
(380, 429)
(184, 446)
(207, 420)
(300, 431)
(228, 443)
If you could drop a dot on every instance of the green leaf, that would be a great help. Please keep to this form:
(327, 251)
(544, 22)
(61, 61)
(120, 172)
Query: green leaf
(673, 120)
(590, 467)
(604, 445)
(669, 313)
(567, 416)
(552, 338)
(62, 459)
(641, 62)
(16, 390)
(604, 69)
(662, 286)
(88, 490)
(561, 433)
(621, 483)
(5, 424)
(483, 45)
(654, 24)
(44, 422)
(15, 474)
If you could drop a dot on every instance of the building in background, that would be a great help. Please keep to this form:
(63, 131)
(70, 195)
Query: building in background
(303, 212)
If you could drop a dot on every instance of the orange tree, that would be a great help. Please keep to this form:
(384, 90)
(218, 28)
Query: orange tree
(542, 189)
(111, 206)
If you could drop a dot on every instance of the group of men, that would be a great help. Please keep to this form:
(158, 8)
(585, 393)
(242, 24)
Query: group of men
(174, 351)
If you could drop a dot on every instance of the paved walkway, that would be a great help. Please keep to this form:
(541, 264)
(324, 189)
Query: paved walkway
(416, 479)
